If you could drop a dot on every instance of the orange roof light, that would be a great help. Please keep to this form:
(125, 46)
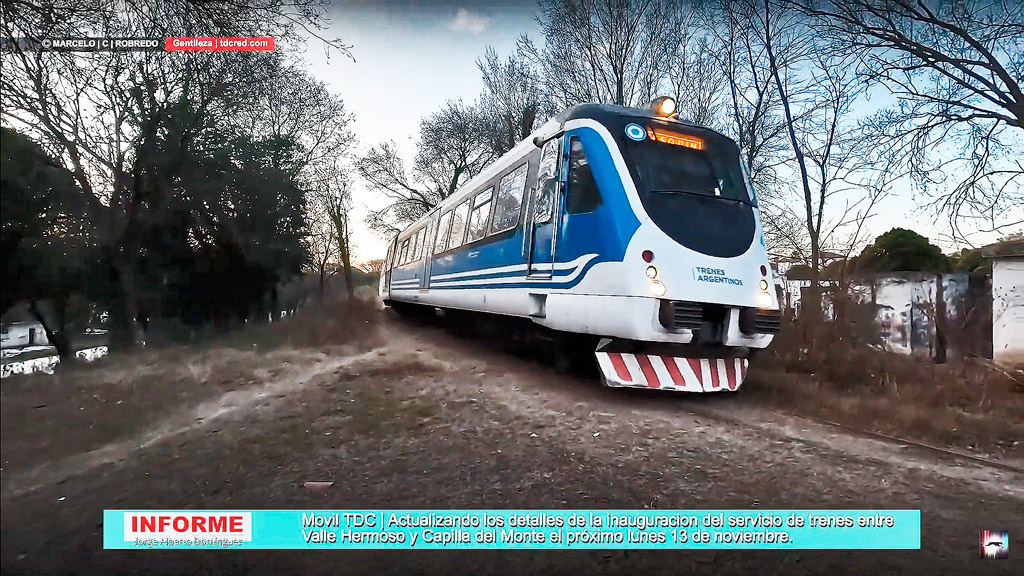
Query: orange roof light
(675, 139)
(663, 106)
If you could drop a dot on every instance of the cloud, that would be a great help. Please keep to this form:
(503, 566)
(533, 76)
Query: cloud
(466, 21)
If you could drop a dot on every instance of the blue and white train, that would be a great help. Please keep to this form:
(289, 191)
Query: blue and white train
(625, 224)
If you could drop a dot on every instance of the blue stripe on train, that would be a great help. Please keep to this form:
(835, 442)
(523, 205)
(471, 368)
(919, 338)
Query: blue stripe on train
(515, 276)
(522, 282)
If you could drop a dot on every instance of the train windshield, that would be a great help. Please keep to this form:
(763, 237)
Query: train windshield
(664, 168)
(693, 186)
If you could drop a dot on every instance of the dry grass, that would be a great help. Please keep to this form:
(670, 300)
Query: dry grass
(127, 391)
(827, 372)
(331, 323)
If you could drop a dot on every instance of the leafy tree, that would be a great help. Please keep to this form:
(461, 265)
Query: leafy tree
(971, 262)
(243, 230)
(28, 180)
(106, 116)
(48, 258)
(900, 250)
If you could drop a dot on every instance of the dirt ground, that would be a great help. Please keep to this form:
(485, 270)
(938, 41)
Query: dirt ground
(400, 414)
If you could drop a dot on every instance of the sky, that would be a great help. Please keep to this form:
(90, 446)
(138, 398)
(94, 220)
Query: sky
(410, 57)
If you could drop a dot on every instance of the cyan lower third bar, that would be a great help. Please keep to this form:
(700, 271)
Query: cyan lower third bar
(513, 529)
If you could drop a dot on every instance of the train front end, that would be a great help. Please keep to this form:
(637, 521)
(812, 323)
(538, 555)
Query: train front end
(697, 261)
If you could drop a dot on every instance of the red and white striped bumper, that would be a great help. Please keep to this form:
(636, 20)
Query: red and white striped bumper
(672, 373)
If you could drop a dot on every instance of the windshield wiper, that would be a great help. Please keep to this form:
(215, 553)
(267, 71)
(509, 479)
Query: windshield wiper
(705, 195)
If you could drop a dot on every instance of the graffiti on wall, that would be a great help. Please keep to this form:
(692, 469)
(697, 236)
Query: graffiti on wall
(905, 305)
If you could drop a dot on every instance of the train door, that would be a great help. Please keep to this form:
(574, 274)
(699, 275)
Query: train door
(429, 232)
(544, 203)
(389, 261)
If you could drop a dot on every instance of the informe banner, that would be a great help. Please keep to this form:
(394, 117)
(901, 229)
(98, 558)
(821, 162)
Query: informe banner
(513, 529)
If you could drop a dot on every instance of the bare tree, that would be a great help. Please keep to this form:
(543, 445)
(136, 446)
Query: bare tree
(695, 80)
(607, 51)
(320, 244)
(753, 108)
(954, 70)
(331, 234)
(778, 28)
(338, 212)
(101, 114)
(452, 149)
(408, 198)
(842, 176)
(284, 102)
(512, 100)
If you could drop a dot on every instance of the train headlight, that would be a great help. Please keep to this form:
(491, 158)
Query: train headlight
(764, 285)
(657, 288)
(664, 106)
(764, 300)
(652, 272)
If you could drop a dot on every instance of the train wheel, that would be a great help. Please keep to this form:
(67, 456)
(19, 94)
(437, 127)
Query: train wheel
(405, 310)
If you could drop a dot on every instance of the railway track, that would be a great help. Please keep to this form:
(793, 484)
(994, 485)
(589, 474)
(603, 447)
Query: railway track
(877, 436)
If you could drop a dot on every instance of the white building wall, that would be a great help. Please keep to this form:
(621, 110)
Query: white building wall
(1008, 311)
(21, 334)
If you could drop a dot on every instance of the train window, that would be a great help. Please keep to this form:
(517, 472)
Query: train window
(404, 252)
(547, 182)
(478, 217)
(388, 260)
(581, 195)
(414, 246)
(510, 200)
(458, 225)
(442, 232)
(421, 238)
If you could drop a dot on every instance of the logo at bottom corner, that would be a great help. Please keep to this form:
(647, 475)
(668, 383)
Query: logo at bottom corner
(994, 544)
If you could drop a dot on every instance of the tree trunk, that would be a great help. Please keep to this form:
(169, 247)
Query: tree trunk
(339, 218)
(529, 115)
(940, 321)
(346, 262)
(320, 287)
(57, 338)
(812, 231)
(125, 331)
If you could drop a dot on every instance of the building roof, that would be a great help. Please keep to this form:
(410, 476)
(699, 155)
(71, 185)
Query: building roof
(1005, 249)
